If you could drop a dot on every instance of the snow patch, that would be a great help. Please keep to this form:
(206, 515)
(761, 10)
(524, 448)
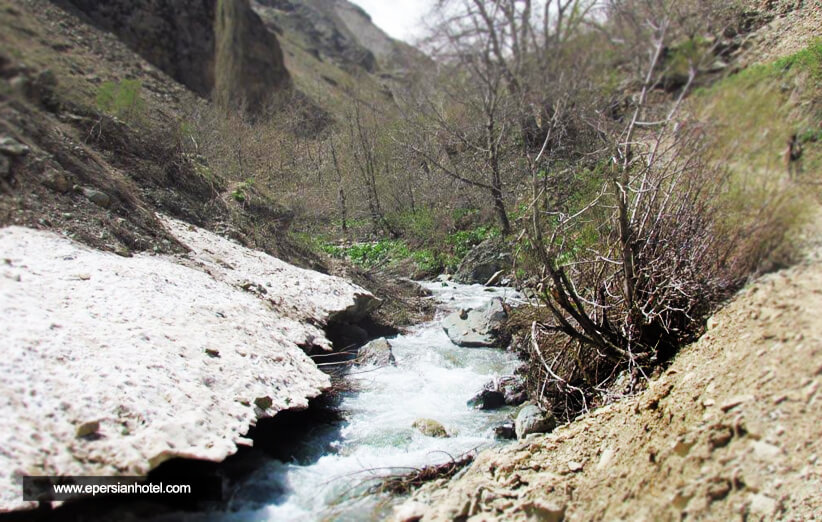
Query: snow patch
(167, 354)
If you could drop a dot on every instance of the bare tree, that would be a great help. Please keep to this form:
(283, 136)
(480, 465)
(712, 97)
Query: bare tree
(658, 259)
(370, 160)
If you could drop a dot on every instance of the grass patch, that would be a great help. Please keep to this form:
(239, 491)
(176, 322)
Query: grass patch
(751, 115)
(123, 100)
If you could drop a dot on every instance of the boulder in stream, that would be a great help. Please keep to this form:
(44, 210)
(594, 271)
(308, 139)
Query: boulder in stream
(430, 428)
(487, 400)
(500, 391)
(377, 353)
(478, 327)
(505, 431)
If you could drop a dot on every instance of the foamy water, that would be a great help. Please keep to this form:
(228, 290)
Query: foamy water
(433, 379)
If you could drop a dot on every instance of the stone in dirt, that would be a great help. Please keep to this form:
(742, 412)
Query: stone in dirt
(115, 372)
(531, 419)
(12, 147)
(378, 353)
(430, 428)
(478, 327)
(57, 181)
(101, 199)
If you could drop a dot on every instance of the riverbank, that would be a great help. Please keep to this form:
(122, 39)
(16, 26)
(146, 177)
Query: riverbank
(730, 430)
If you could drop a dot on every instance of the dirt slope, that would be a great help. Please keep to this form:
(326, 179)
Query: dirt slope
(731, 431)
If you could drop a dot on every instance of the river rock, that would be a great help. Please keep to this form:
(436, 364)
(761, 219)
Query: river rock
(483, 262)
(378, 353)
(430, 428)
(476, 328)
(487, 400)
(531, 419)
(511, 388)
(115, 373)
(505, 431)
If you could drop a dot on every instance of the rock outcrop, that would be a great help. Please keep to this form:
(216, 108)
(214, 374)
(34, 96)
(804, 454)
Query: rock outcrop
(476, 328)
(249, 68)
(340, 31)
(484, 262)
(182, 38)
(113, 365)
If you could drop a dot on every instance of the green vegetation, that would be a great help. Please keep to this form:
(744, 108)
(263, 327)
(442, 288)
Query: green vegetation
(463, 241)
(240, 192)
(123, 100)
(751, 144)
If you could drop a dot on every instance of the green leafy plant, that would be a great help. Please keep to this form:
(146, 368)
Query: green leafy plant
(240, 192)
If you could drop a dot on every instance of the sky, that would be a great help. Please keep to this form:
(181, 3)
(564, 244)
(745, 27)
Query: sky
(398, 18)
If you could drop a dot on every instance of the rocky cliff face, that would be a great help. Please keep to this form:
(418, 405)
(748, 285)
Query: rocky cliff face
(249, 67)
(181, 38)
(337, 31)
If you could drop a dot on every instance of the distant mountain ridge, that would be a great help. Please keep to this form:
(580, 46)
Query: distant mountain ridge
(248, 67)
(340, 31)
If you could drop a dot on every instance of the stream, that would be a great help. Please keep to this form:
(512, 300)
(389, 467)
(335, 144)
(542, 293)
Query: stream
(433, 379)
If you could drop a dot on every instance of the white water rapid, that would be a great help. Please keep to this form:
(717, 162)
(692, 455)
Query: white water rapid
(433, 379)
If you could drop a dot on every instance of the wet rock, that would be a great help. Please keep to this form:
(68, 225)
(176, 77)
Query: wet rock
(505, 431)
(430, 428)
(476, 328)
(531, 419)
(487, 400)
(483, 262)
(378, 353)
(513, 387)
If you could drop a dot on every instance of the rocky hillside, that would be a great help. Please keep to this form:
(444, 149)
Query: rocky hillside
(205, 45)
(339, 31)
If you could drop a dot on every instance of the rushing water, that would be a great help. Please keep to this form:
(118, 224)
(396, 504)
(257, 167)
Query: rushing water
(433, 379)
